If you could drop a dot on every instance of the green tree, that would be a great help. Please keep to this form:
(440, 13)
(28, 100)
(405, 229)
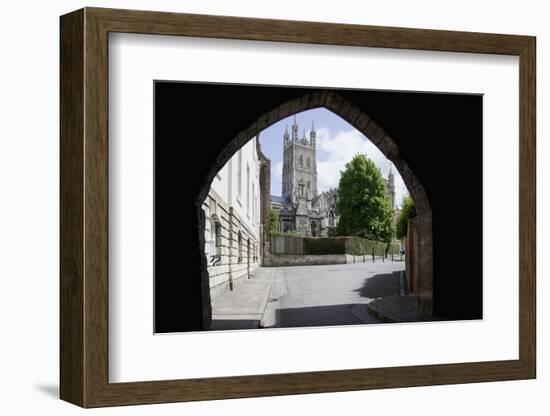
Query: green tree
(363, 202)
(407, 211)
(273, 221)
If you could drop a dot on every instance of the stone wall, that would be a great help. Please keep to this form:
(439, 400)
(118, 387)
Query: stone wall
(275, 260)
(226, 263)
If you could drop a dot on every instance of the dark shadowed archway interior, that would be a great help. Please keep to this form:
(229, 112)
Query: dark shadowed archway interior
(435, 138)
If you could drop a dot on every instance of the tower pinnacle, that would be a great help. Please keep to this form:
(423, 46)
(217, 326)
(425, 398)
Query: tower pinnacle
(312, 135)
(286, 133)
(295, 130)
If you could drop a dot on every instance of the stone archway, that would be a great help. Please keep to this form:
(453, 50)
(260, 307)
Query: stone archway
(335, 103)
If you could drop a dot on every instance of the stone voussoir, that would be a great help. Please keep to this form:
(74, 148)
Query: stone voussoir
(388, 147)
(273, 116)
(334, 102)
(284, 110)
(374, 132)
(316, 100)
(305, 103)
(361, 122)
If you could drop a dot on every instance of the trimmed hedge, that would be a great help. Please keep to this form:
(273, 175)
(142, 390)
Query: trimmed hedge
(324, 246)
(394, 248)
(356, 246)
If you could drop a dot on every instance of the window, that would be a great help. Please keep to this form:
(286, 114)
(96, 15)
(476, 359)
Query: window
(287, 225)
(212, 250)
(248, 190)
(301, 161)
(240, 173)
(215, 241)
(301, 188)
(239, 248)
(308, 163)
(218, 231)
(313, 229)
(253, 203)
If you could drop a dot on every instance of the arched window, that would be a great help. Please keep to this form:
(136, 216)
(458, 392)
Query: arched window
(301, 161)
(331, 221)
(308, 163)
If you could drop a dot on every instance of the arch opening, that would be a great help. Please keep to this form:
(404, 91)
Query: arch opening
(331, 101)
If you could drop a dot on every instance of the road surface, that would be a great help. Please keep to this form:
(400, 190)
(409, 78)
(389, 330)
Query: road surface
(332, 294)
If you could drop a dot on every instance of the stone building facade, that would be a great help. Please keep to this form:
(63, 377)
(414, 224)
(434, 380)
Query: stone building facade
(233, 220)
(301, 208)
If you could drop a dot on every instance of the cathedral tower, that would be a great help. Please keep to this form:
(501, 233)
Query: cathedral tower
(299, 164)
(391, 187)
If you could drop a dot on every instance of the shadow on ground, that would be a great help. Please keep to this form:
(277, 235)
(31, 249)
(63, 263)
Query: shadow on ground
(327, 315)
(380, 286)
(51, 390)
(229, 324)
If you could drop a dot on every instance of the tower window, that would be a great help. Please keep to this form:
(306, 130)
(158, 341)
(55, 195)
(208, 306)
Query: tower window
(308, 163)
(301, 161)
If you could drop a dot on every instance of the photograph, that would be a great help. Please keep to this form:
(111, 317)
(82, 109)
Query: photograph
(287, 204)
(319, 215)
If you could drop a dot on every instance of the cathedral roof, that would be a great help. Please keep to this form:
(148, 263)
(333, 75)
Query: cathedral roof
(279, 199)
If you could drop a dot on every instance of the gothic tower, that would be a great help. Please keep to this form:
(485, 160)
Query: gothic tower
(391, 187)
(299, 164)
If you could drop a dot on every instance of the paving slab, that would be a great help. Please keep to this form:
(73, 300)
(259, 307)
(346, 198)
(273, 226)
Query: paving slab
(243, 307)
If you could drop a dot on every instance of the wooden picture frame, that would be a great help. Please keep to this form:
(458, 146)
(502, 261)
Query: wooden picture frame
(84, 207)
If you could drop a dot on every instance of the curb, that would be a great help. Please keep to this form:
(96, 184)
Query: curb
(377, 314)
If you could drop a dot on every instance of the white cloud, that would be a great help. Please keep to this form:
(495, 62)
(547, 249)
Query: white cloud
(334, 151)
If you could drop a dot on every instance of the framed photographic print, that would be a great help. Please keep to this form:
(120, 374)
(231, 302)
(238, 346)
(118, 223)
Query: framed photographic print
(255, 207)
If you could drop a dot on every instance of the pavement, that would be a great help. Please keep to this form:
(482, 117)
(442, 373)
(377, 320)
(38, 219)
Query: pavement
(279, 297)
(244, 307)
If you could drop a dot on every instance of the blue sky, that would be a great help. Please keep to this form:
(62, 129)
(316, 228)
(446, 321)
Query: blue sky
(337, 143)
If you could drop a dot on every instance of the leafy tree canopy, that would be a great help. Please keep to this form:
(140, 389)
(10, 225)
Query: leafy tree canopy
(364, 205)
(273, 220)
(407, 211)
